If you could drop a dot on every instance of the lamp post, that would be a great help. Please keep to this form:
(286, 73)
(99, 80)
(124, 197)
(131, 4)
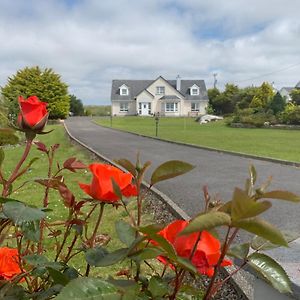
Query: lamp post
(156, 123)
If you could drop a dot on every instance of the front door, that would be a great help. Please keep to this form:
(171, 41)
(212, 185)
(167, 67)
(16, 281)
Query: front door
(145, 109)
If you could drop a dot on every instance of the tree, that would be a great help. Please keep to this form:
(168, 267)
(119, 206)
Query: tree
(43, 83)
(277, 104)
(256, 102)
(225, 102)
(295, 95)
(76, 106)
(265, 93)
(245, 97)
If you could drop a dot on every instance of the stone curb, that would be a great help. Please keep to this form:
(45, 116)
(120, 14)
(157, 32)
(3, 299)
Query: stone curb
(274, 160)
(239, 281)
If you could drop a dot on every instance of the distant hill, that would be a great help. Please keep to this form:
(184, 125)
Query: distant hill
(97, 110)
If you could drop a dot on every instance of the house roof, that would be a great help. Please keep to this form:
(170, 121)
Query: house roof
(169, 97)
(135, 87)
(287, 88)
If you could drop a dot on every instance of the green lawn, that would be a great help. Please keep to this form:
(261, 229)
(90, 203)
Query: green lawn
(275, 143)
(33, 192)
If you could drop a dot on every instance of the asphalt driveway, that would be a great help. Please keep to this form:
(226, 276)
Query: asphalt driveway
(219, 171)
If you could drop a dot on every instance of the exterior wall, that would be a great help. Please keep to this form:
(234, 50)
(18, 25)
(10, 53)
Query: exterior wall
(186, 111)
(115, 108)
(146, 97)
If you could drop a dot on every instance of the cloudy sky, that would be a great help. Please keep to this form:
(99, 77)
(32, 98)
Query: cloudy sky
(91, 42)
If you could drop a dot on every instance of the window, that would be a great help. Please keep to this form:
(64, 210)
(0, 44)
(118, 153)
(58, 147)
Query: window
(195, 106)
(124, 107)
(140, 108)
(124, 91)
(194, 91)
(160, 90)
(171, 107)
(149, 108)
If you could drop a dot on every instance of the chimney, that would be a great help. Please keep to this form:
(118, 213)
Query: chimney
(178, 83)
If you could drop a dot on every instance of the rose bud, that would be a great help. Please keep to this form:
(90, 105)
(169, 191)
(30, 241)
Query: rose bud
(33, 116)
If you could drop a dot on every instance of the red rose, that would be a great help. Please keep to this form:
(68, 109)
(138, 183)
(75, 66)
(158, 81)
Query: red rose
(208, 249)
(101, 187)
(9, 263)
(33, 114)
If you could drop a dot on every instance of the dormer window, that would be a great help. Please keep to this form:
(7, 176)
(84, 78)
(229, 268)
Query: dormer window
(160, 90)
(124, 90)
(194, 90)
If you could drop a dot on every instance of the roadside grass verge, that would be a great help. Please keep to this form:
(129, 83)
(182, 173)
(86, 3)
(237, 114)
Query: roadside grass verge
(32, 193)
(273, 143)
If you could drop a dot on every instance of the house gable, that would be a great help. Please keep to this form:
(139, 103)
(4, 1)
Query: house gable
(162, 84)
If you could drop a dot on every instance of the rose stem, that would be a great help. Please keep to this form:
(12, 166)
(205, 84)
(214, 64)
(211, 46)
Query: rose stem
(13, 176)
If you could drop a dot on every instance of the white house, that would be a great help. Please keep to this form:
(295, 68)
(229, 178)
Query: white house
(166, 97)
(285, 92)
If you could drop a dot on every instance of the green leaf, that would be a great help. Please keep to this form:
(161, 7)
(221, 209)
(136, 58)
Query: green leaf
(271, 271)
(58, 277)
(151, 232)
(282, 195)
(36, 260)
(259, 243)
(207, 221)
(170, 169)
(186, 264)
(146, 253)
(100, 257)
(157, 287)
(4, 200)
(243, 206)
(116, 188)
(126, 164)
(188, 292)
(125, 232)
(31, 230)
(239, 251)
(85, 288)
(253, 175)
(263, 229)
(18, 212)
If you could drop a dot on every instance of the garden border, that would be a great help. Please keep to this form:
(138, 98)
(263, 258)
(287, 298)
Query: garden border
(265, 158)
(242, 281)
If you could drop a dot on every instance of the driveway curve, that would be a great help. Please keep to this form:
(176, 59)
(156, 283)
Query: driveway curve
(221, 172)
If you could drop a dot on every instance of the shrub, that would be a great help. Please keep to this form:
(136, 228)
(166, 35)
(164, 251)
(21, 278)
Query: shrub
(290, 115)
(254, 116)
(8, 137)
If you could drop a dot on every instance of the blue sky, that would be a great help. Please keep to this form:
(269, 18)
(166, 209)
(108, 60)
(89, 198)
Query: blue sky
(91, 42)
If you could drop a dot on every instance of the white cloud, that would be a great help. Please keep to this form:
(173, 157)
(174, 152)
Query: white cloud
(92, 42)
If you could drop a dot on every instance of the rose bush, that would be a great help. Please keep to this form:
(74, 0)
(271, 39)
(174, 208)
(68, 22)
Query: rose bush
(190, 247)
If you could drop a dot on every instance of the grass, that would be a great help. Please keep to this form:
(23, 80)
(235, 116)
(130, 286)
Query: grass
(274, 143)
(32, 193)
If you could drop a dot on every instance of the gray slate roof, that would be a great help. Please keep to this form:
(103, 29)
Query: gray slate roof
(288, 89)
(137, 86)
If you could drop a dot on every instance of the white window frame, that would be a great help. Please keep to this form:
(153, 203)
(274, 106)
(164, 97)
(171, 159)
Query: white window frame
(124, 91)
(171, 107)
(160, 90)
(195, 91)
(195, 106)
(124, 107)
